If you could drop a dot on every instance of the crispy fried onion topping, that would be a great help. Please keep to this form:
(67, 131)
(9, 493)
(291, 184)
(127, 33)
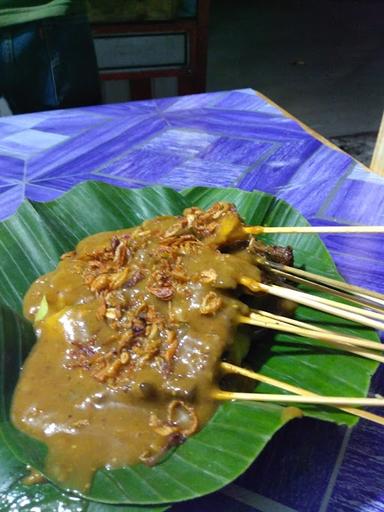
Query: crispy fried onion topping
(181, 419)
(181, 423)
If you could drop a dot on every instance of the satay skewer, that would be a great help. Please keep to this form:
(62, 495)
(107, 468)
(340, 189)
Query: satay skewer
(327, 337)
(261, 316)
(357, 291)
(258, 230)
(341, 310)
(346, 307)
(229, 368)
(297, 399)
(361, 300)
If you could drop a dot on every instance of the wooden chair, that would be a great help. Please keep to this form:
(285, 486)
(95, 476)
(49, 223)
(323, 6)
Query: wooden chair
(188, 63)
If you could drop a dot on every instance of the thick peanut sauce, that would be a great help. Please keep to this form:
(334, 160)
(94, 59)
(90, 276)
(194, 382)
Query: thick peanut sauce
(128, 351)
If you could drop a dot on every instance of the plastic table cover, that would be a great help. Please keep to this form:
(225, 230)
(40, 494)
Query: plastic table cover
(233, 138)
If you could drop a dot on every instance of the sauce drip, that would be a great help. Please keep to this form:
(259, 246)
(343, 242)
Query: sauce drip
(127, 353)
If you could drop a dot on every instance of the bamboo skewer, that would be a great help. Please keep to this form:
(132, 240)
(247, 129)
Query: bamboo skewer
(297, 399)
(336, 336)
(293, 321)
(315, 302)
(327, 337)
(333, 283)
(346, 307)
(230, 368)
(353, 294)
(372, 318)
(361, 300)
(258, 230)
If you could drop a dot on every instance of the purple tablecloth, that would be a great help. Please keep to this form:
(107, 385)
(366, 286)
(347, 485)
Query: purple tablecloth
(223, 139)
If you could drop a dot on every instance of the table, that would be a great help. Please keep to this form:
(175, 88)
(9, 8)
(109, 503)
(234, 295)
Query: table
(235, 138)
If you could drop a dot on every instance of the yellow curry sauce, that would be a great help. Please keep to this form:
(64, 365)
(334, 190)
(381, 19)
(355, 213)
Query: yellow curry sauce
(127, 355)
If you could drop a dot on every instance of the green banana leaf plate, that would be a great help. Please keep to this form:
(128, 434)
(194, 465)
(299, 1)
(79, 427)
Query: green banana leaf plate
(31, 243)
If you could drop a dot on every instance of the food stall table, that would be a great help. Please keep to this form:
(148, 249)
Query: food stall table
(228, 139)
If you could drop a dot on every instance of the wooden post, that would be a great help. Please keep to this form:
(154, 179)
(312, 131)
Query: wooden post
(377, 162)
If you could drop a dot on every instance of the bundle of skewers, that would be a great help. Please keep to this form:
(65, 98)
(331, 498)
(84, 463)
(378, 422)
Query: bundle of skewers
(360, 305)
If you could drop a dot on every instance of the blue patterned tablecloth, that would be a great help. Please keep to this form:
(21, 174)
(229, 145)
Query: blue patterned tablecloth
(234, 138)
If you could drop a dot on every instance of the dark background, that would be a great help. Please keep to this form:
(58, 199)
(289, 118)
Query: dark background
(321, 60)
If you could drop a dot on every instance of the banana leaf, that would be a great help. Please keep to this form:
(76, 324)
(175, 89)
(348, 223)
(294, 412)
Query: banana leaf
(31, 243)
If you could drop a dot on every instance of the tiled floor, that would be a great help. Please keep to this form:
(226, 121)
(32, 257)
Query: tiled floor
(322, 61)
(360, 145)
